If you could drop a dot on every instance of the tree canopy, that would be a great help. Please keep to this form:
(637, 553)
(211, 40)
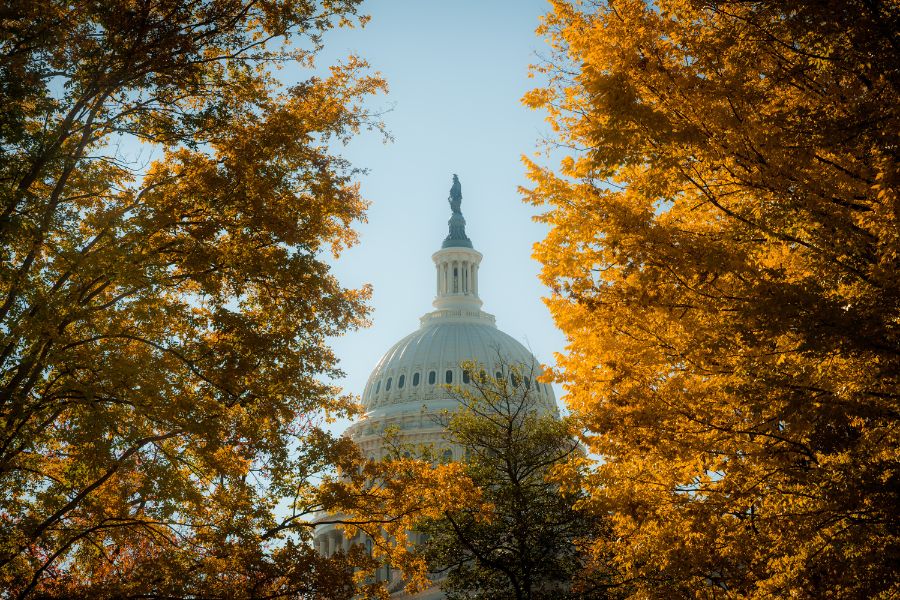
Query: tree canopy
(723, 254)
(164, 303)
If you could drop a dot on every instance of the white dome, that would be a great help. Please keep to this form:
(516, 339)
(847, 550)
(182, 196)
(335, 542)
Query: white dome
(416, 369)
(409, 388)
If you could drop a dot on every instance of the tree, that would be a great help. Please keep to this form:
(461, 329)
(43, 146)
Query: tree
(164, 305)
(525, 538)
(723, 256)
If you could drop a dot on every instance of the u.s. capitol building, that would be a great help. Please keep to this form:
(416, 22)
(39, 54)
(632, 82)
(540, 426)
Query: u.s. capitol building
(407, 391)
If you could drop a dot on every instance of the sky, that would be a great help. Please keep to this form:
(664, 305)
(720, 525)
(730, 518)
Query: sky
(456, 72)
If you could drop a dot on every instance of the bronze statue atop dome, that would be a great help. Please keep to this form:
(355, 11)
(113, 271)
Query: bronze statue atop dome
(455, 198)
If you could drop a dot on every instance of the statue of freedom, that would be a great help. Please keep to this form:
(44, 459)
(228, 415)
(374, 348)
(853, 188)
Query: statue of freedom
(455, 198)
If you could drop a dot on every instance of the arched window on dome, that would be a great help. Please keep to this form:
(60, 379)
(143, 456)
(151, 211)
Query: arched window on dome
(447, 456)
(448, 376)
(514, 379)
(498, 376)
(465, 376)
(387, 386)
(415, 380)
(455, 279)
(378, 386)
(527, 383)
(401, 381)
(432, 378)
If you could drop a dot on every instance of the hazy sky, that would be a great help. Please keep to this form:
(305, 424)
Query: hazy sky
(456, 72)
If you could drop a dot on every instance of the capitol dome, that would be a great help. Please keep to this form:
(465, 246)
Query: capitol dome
(410, 386)
(418, 366)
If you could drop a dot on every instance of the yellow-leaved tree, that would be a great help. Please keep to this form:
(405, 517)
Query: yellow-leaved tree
(723, 253)
(164, 304)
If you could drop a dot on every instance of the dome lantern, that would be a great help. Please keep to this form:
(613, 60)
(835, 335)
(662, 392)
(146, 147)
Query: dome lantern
(457, 279)
(457, 264)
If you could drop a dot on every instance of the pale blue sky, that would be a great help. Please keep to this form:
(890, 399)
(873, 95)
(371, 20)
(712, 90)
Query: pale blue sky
(456, 72)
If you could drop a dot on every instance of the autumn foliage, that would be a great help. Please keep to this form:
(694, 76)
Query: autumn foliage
(723, 254)
(164, 207)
